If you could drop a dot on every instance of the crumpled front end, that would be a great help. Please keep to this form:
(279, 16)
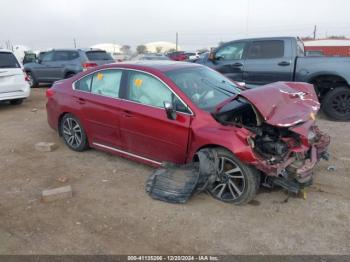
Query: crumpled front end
(294, 166)
(283, 138)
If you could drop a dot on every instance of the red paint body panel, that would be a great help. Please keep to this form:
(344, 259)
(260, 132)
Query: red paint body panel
(284, 104)
(144, 133)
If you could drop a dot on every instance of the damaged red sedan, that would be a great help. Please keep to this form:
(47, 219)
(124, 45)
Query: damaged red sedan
(163, 111)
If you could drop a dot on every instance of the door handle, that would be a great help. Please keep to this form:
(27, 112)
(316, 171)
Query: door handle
(80, 100)
(284, 63)
(127, 114)
(237, 64)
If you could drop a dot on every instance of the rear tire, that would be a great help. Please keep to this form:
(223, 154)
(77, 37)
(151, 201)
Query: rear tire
(236, 183)
(69, 75)
(16, 102)
(32, 81)
(336, 103)
(73, 133)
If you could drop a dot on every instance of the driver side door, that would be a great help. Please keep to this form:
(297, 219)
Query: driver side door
(145, 128)
(229, 60)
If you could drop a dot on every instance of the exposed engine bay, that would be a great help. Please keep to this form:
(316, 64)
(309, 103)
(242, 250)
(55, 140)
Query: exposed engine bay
(269, 142)
(283, 154)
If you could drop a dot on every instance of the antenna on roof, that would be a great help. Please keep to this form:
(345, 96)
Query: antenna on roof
(315, 29)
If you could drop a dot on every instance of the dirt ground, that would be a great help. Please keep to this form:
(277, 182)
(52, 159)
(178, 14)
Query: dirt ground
(110, 213)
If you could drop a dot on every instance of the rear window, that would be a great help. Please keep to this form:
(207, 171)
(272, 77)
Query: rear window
(8, 60)
(65, 55)
(98, 55)
(266, 49)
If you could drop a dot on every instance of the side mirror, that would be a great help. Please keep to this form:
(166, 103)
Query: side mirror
(38, 60)
(170, 110)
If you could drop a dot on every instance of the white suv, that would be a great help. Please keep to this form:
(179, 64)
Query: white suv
(14, 85)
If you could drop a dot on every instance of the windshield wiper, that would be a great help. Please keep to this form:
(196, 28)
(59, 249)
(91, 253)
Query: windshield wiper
(218, 87)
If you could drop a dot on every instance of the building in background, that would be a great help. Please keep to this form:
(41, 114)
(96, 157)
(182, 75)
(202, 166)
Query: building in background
(328, 47)
(113, 49)
(161, 47)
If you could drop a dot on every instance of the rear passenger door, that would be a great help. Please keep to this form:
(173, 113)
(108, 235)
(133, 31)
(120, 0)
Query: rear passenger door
(63, 62)
(229, 60)
(268, 61)
(145, 128)
(97, 96)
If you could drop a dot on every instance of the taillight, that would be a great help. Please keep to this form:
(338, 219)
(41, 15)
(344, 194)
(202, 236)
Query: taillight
(49, 92)
(86, 66)
(26, 78)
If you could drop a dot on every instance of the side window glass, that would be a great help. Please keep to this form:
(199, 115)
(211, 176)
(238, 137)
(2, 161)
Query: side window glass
(47, 57)
(106, 83)
(84, 84)
(230, 51)
(266, 49)
(73, 55)
(179, 106)
(147, 90)
(61, 56)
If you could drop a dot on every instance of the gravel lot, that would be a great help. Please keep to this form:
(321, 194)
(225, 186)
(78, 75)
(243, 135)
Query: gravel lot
(110, 213)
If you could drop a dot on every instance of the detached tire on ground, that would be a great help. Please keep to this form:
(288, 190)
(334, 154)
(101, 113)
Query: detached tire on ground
(336, 103)
(73, 133)
(16, 102)
(236, 182)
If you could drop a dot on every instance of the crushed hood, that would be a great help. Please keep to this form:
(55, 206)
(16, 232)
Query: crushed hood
(284, 104)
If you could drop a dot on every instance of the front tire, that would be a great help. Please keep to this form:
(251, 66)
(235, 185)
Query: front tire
(336, 103)
(236, 182)
(73, 133)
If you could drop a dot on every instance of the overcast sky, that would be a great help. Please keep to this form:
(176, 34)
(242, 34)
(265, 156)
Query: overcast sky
(200, 23)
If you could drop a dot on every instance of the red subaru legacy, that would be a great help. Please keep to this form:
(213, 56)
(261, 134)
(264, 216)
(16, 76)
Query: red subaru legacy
(156, 111)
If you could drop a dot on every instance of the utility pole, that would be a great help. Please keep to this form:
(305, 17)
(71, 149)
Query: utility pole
(177, 40)
(315, 29)
(75, 43)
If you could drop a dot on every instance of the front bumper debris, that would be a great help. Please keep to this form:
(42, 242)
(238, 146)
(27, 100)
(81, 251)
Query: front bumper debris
(297, 171)
(177, 183)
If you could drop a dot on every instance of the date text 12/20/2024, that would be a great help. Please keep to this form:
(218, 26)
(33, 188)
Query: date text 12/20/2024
(173, 258)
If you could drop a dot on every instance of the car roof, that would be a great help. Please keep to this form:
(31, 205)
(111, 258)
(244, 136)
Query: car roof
(159, 65)
(262, 38)
(5, 50)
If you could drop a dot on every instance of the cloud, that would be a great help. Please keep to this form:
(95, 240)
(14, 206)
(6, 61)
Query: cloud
(200, 23)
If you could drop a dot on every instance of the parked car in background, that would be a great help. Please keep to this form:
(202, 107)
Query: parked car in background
(150, 57)
(14, 85)
(63, 63)
(261, 61)
(200, 59)
(29, 57)
(156, 111)
(177, 55)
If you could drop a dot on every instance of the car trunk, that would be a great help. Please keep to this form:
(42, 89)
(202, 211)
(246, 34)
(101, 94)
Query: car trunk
(99, 57)
(11, 74)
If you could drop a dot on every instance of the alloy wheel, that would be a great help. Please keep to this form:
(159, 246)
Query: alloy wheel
(341, 103)
(72, 132)
(230, 182)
